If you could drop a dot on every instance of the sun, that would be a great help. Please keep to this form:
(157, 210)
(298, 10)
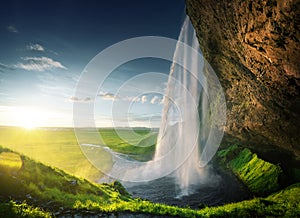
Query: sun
(29, 118)
(28, 124)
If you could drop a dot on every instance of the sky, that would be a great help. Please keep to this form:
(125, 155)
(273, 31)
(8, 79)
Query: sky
(46, 45)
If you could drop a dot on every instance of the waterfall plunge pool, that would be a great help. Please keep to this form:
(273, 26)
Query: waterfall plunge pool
(225, 188)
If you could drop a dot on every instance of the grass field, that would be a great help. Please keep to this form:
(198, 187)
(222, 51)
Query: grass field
(49, 191)
(59, 147)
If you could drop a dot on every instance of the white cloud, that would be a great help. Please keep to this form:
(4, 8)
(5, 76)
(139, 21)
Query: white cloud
(39, 64)
(112, 97)
(163, 100)
(136, 99)
(108, 96)
(144, 99)
(12, 29)
(155, 100)
(76, 99)
(35, 47)
(132, 98)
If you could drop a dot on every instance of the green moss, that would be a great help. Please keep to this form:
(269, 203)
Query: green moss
(14, 210)
(261, 177)
(120, 188)
(224, 154)
(285, 203)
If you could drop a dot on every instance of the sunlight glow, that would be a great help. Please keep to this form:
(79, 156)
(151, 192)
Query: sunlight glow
(29, 118)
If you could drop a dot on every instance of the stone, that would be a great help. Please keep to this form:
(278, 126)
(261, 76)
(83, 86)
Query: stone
(254, 48)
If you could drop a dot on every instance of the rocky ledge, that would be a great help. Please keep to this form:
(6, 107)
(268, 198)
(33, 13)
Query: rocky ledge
(254, 47)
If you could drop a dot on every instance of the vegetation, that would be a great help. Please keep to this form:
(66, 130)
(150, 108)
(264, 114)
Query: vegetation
(10, 162)
(285, 203)
(12, 209)
(36, 181)
(31, 189)
(59, 147)
(53, 189)
(261, 177)
(140, 149)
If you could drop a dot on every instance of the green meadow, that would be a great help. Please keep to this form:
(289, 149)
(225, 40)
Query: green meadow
(59, 147)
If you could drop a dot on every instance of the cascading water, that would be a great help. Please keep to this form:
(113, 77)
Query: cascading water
(192, 125)
(180, 132)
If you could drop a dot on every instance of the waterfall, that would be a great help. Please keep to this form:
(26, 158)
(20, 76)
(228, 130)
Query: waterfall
(192, 126)
(180, 132)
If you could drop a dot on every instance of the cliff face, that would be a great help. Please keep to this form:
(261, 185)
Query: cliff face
(254, 47)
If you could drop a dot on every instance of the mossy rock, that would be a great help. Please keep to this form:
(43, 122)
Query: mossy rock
(120, 188)
(261, 177)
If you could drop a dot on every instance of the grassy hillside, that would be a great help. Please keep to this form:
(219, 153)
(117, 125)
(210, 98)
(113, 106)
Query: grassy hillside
(21, 178)
(31, 189)
(12, 209)
(50, 191)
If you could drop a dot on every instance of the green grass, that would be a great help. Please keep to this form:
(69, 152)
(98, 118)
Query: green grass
(12, 209)
(261, 177)
(59, 147)
(10, 162)
(45, 185)
(285, 203)
(50, 186)
(140, 146)
(46, 188)
(45, 182)
(49, 189)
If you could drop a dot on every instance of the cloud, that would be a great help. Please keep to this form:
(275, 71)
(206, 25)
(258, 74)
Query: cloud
(112, 97)
(155, 100)
(132, 98)
(162, 101)
(12, 29)
(39, 48)
(144, 99)
(76, 99)
(39, 64)
(35, 47)
(108, 96)
(5, 67)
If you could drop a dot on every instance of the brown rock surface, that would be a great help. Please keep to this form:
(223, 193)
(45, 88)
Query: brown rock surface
(254, 47)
